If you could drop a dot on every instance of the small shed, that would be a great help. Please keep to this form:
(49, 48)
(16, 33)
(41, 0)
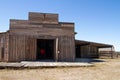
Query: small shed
(87, 49)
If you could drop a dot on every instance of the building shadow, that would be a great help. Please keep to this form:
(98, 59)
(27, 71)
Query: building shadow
(88, 60)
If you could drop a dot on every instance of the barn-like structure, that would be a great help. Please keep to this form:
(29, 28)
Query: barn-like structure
(87, 49)
(43, 37)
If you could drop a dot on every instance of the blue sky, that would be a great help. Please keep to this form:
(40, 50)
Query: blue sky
(95, 20)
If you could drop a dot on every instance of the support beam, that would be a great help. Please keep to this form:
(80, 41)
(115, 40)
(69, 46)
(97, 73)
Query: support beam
(89, 50)
(98, 52)
(56, 50)
(112, 52)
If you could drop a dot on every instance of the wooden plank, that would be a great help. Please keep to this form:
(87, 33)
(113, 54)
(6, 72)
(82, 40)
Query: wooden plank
(0, 48)
(7, 47)
(15, 47)
(10, 48)
(43, 18)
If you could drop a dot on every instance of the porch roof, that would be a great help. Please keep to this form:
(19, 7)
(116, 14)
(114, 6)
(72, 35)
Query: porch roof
(99, 45)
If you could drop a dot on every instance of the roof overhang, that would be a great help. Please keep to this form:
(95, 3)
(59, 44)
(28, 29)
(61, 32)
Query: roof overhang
(99, 45)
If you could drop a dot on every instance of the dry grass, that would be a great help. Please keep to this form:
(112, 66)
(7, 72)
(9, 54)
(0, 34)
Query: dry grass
(109, 70)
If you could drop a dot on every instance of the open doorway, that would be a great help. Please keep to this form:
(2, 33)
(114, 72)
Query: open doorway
(78, 51)
(45, 49)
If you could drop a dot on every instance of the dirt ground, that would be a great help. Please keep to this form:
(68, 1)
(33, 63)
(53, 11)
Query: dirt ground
(108, 70)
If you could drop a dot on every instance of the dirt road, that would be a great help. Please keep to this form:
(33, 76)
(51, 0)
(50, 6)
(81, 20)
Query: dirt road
(108, 70)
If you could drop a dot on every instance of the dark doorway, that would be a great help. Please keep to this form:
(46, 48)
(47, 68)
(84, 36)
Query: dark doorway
(78, 51)
(45, 49)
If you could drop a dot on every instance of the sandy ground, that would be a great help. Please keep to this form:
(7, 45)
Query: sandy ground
(108, 70)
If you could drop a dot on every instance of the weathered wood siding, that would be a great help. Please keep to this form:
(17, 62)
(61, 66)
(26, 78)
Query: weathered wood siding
(89, 51)
(1, 46)
(22, 48)
(4, 47)
(43, 18)
(85, 51)
(66, 48)
(94, 52)
(24, 35)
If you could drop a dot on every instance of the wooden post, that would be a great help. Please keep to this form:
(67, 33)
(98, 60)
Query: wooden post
(0, 53)
(112, 52)
(98, 52)
(89, 49)
(0, 48)
(56, 50)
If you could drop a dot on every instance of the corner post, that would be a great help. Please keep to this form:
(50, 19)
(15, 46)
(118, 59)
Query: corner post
(56, 50)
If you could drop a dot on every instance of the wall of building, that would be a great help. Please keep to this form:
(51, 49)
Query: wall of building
(94, 52)
(4, 47)
(22, 48)
(88, 51)
(24, 34)
(1, 46)
(85, 51)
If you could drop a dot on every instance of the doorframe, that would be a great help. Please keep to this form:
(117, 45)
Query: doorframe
(56, 46)
(56, 50)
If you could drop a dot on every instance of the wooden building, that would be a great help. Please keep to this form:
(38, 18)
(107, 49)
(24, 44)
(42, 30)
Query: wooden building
(87, 49)
(43, 37)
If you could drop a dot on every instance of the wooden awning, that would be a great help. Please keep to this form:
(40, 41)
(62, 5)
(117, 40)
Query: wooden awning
(99, 45)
